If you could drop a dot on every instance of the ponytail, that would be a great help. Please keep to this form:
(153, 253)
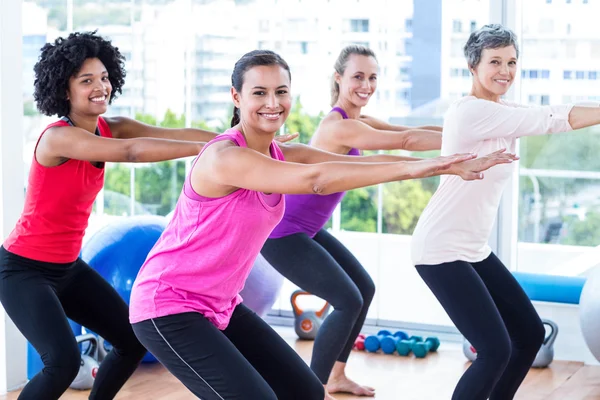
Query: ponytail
(236, 116)
(335, 90)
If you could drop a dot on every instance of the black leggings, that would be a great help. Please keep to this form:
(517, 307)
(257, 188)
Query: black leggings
(325, 268)
(489, 307)
(246, 361)
(39, 296)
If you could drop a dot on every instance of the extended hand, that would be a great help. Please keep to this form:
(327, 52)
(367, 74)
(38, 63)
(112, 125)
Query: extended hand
(472, 169)
(437, 165)
(286, 138)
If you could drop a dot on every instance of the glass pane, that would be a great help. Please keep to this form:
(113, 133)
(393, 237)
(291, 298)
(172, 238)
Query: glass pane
(559, 186)
(41, 22)
(422, 70)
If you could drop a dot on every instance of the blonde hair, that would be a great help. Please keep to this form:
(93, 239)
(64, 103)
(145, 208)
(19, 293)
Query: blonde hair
(340, 65)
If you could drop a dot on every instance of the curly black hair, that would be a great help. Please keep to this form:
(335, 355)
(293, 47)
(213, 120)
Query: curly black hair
(62, 59)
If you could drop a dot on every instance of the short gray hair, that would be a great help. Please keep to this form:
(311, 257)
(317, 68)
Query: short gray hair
(492, 36)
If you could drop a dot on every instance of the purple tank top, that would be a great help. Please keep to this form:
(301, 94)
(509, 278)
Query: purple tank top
(308, 213)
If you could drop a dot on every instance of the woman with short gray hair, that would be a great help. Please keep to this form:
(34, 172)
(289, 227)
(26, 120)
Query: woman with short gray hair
(450, 243)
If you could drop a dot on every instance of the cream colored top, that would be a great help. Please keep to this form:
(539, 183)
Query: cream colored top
(457, 222)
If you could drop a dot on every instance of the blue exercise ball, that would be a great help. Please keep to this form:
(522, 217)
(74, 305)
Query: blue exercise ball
(118, 251)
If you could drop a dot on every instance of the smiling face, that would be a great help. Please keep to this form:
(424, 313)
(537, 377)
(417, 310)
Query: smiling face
(495, 73)
(89, 89)
(264, 101)
(359, 80)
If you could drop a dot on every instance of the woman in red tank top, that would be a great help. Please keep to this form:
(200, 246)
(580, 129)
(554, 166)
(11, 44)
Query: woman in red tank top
(42, 279)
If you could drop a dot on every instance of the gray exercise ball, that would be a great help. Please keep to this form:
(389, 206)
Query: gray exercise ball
(262, 287)
(589, 312)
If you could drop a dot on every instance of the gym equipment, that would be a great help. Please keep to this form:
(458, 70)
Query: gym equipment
(589, 312)
(118, 251)
(262, 287)
(373, 342)
(468, 350)
(420, 349)
(546, 353)
(89, 364)
(388, 343)
(359, 343)
(551, 288)
(307, 323)
(544, 356)
(404, 347)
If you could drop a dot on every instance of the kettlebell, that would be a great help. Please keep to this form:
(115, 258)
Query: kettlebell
(546, 353)
(307, 323)
(544, 356)
(89, 364)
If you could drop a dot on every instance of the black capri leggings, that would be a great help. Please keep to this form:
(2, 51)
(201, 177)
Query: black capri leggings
(39, 296)
(489, 307)
(326, 268)
(246, 361)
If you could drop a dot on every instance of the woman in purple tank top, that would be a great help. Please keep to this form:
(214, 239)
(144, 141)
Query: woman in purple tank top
(185, 305)
(305, 253)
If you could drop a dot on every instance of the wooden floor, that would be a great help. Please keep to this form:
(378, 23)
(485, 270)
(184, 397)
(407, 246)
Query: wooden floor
(431, 378)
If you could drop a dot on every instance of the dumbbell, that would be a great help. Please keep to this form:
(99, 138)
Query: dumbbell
(388, 343)
(404, 347)
(359, 343)
(373, 342)
(421, 349)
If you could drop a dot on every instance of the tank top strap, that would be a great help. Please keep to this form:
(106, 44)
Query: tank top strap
(340, 111)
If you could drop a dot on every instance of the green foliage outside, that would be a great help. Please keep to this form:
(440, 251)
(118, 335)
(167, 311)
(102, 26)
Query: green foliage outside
(573, 151)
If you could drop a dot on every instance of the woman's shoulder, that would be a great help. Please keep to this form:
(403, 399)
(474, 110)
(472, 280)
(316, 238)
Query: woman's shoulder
(471, 108)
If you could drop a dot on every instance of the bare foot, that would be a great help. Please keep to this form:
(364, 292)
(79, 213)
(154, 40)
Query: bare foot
(328, 396)
(345, 385)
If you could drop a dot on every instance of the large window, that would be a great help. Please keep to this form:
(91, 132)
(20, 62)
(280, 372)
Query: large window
(180, 55)
(559, 186)
(130, 189)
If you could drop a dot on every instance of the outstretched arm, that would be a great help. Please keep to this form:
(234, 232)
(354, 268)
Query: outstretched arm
(467, 170)
(127, 128)
(227, 165)
(358, 134)
(384, 126)
(482, 119)
(583, 116)
(304, 154)
(67, 142)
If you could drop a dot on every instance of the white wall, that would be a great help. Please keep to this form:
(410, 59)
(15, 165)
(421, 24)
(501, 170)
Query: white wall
(12, 344)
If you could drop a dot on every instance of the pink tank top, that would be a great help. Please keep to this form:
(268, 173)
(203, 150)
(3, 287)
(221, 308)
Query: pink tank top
(201, 261)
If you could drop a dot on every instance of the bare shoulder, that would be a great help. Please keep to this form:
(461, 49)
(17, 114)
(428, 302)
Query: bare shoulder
(330, 124)
(331, 118)
(63, 131)
(216, 150)
(118, 124)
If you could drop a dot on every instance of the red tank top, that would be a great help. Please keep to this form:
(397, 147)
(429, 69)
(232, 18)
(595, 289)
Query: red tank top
(58, 204)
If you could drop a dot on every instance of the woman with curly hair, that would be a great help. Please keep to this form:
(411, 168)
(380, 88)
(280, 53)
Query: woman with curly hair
(42, 279)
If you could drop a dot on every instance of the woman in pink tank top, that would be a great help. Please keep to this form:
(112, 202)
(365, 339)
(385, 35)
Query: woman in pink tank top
(185, 305)
(42, 279)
